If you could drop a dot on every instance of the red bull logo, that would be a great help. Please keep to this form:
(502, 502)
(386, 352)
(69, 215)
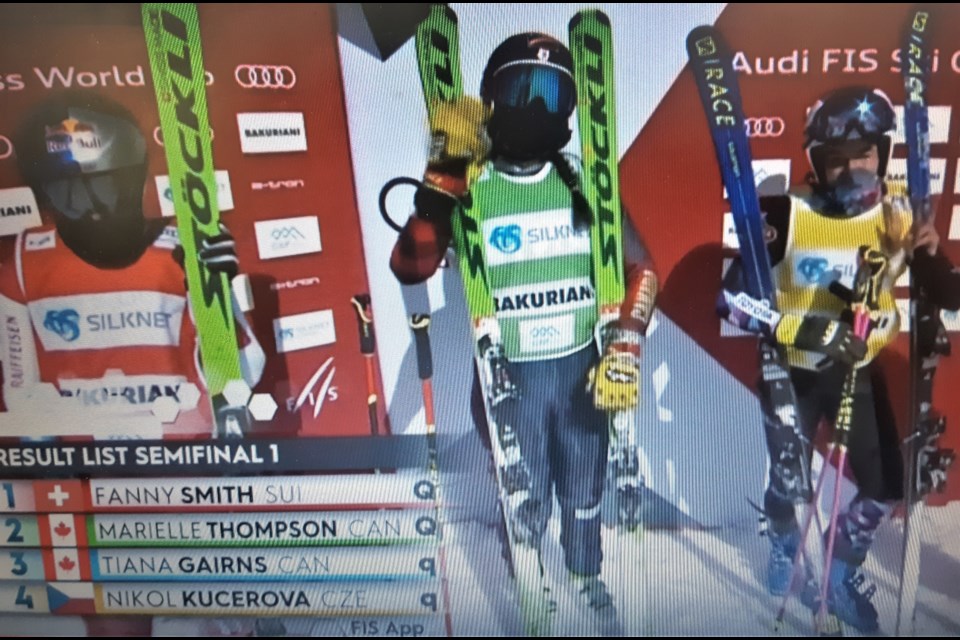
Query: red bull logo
(71, 134)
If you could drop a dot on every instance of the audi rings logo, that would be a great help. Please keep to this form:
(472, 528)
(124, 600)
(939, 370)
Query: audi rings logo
(265, 76)
(6, 147)
(767, 127)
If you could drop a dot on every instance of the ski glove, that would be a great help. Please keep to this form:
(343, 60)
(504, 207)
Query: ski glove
(458, 149)
(615, 380)
(832, 338)
(217, 253)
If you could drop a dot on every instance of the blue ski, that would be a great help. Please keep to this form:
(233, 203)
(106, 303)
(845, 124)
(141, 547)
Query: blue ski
(712, 66)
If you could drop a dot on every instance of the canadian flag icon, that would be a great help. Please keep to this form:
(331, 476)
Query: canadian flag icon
(66, 564)
(63, 531)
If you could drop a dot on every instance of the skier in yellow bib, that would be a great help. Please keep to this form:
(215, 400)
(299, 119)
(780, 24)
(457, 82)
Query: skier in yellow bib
(813, 238)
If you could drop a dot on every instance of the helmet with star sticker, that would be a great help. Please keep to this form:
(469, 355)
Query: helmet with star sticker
(848, 145)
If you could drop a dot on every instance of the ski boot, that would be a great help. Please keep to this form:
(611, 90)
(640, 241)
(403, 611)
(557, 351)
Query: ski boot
(783, 548)
(629, 501)
(593, 595)
(846, 600)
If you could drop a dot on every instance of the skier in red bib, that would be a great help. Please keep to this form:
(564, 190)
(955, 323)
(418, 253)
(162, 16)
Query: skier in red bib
(95, 302)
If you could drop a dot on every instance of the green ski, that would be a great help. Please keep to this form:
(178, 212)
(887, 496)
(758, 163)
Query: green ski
(172, 33)
(438, 58)
(591, 43)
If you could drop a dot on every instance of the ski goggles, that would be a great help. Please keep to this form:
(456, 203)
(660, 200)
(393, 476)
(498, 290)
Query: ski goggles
(519, 84)
(868, 115)
(79, 195)
(88, 142)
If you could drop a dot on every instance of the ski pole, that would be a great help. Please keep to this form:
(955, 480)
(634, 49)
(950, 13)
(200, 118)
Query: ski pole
(368, 342)
(808, 518)
(865, 292)
(420, 323)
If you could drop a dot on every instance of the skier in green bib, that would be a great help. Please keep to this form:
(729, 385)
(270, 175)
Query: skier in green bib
(555, 363)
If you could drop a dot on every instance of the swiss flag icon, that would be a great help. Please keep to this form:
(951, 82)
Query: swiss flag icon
(57, 496)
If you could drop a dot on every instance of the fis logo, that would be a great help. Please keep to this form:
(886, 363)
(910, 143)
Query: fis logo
(64, 322)
(317, 389)
(506, 239)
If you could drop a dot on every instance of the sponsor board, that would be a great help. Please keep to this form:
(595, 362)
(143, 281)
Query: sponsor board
(772, 177)
(271, 132)
(305, 330)
(897, 172)
(165, 193)
(18, 210)
(939, 116)
(288, 237)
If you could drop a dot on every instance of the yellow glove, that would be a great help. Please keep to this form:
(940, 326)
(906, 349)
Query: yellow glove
(458, 150)
(615, 381)
(459, 135)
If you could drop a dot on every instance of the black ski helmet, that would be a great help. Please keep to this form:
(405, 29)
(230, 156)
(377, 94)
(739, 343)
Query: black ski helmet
(81, 151)
(529, 81)
(849, 114)
(527, 66)
(85, 158)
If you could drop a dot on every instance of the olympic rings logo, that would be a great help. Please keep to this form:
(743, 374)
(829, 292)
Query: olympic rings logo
(768, 127)
(265, 76)
(544, 332)
(6, 147)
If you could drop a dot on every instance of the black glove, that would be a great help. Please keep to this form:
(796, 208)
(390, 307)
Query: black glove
(832, 338)
(217, 253)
